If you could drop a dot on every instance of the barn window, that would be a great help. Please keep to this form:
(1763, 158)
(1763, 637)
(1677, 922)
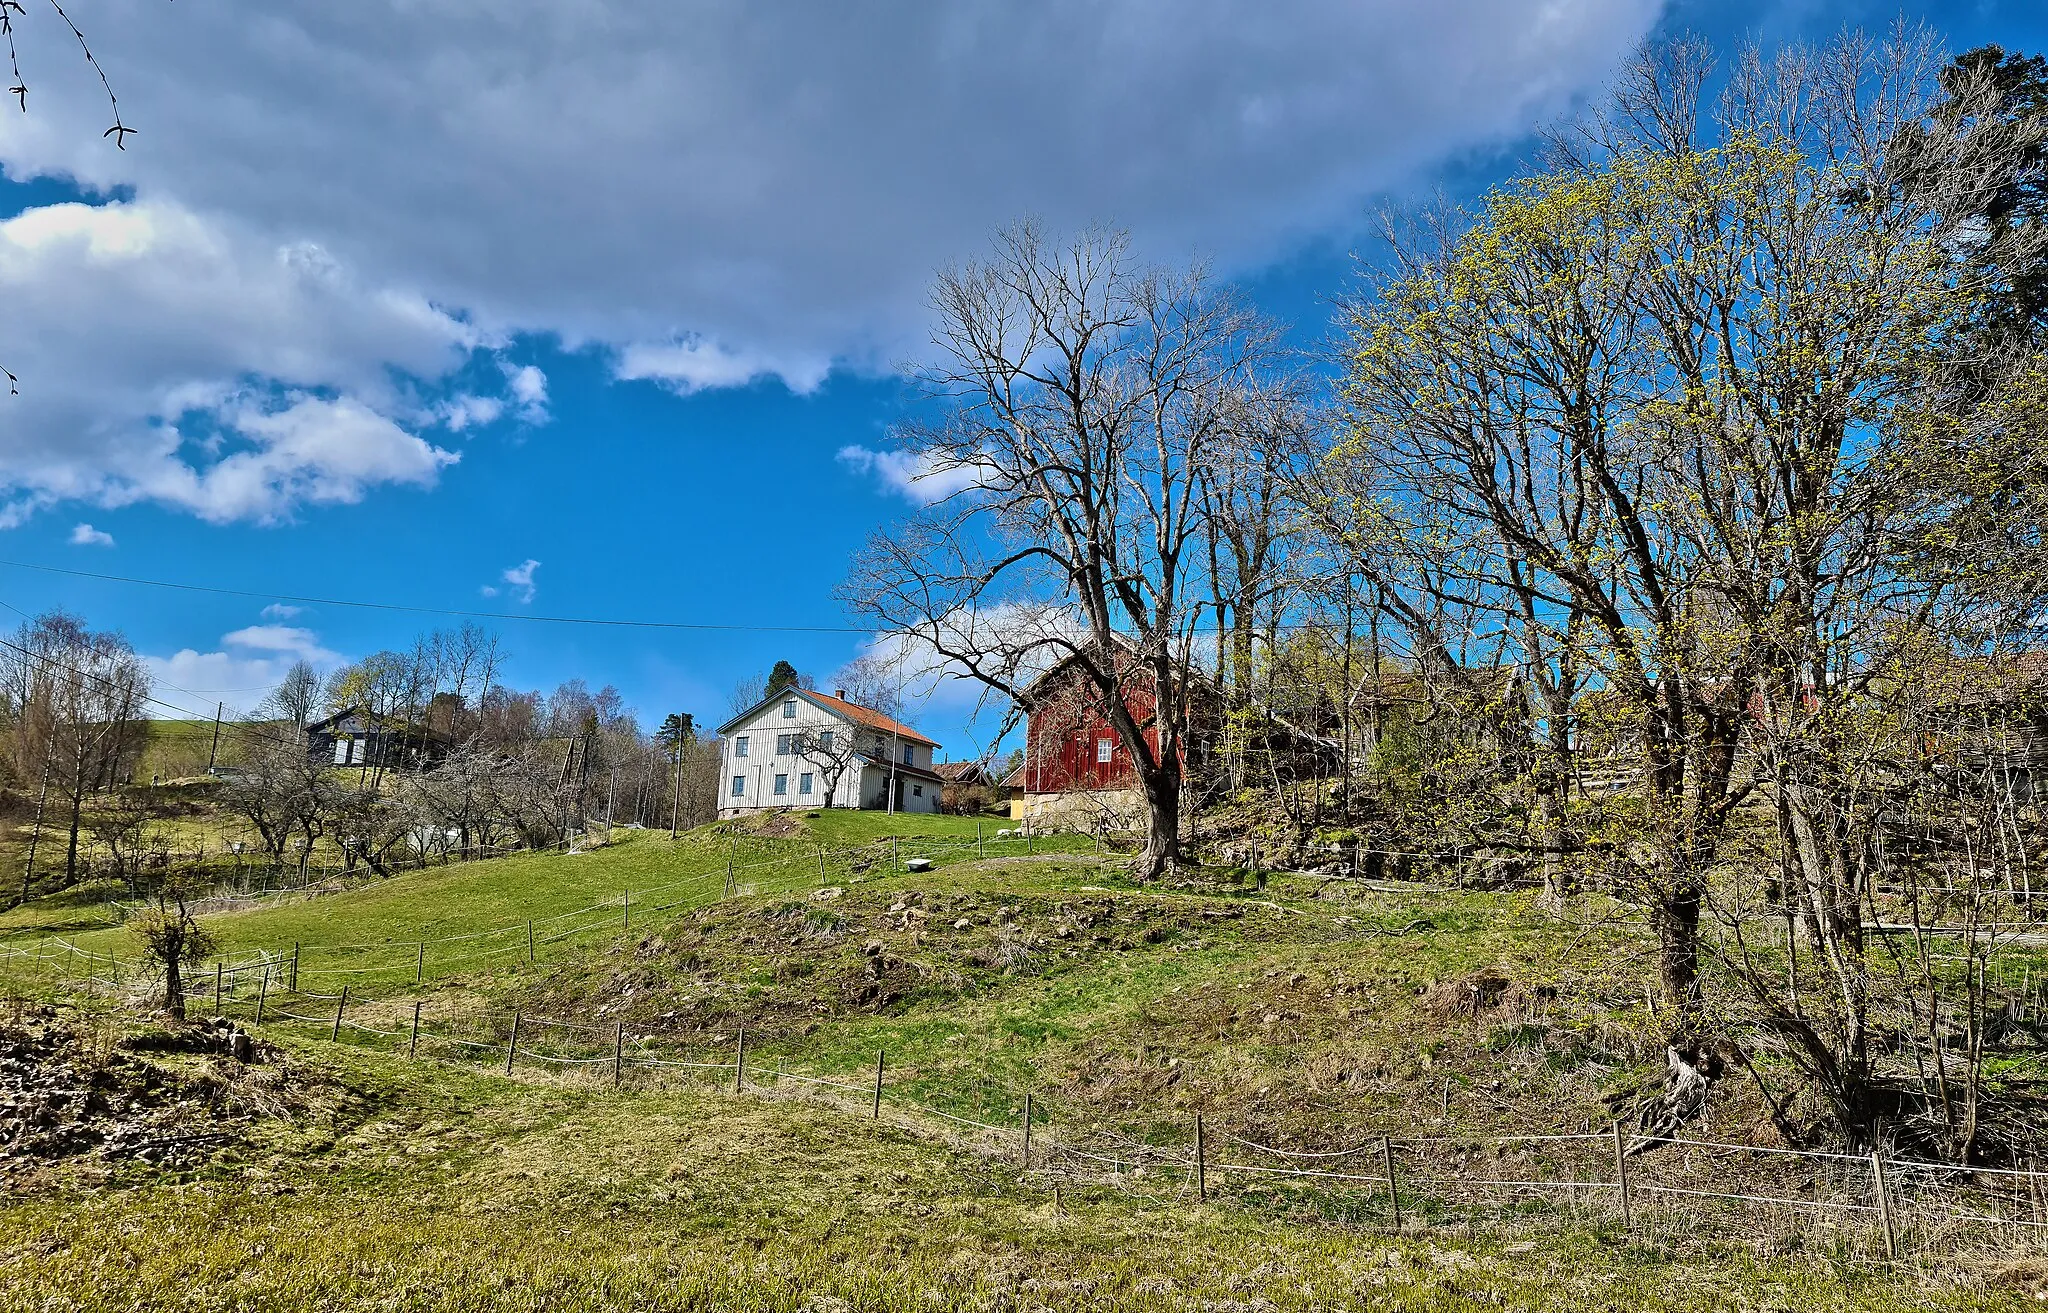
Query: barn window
(782, 745)
(825, 741)
(781, 784)
(917, 790)
(803, 782)
(739, 785)
(789, 708)
(739, 746)
(909, 755)
(1103, 749)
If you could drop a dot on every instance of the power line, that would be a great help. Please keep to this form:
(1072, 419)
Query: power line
(189, 692)
(599, 621)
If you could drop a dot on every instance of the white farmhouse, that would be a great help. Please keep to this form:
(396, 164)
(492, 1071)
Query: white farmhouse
(800, 748)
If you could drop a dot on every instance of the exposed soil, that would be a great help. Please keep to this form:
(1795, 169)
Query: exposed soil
(69, 1091)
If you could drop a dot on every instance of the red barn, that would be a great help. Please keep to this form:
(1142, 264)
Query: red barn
(1074, 759)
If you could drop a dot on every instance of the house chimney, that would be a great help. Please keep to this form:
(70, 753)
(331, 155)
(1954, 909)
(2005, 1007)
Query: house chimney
(839, 693)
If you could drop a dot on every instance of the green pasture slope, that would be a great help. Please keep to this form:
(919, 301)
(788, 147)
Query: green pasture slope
(481, 908)
(1303, 1014)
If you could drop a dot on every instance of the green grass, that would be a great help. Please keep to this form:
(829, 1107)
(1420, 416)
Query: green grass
(340, 931)
(178, 749)
(437, 1189)
(1291, 1013)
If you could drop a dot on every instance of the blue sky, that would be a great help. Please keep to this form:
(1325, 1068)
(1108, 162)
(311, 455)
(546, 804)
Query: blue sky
(384, 304)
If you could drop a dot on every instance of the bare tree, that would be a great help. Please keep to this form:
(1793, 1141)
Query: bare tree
(172, 938)
(77, 696)
(296, 696)
(1076, 396)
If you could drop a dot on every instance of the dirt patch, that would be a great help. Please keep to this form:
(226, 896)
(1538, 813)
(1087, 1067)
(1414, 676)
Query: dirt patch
(1485, 995)
(67, 1092)
(770, 825)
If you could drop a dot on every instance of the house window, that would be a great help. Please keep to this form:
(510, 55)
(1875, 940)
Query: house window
(789, 708)
(1103, 749)
(739, 746)
(341, 752)
(825, 741)
(739, 785)
(781, 785)
(803, 782)
(909, 755)
(917, 790)
(782, 745)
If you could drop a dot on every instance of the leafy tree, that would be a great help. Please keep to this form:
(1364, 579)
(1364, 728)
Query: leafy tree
(676, 732)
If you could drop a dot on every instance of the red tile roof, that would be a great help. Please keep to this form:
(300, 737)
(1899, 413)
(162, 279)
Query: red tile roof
(867, 716)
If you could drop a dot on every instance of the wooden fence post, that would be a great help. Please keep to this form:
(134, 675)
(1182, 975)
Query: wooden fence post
(295, 969)
(739, 1066)
(626, 909)
(262, 988)
(728, 875)
(619, 1055)
(419, 970)
(880, 1054)
(821, 866)
(1393, 1191)
(1027, 1131)
(338, 1007)
(412, 1048)
(512, 1044)
(217, 994)
(1201, 1160)
(1621, 1176)
(1884, 1203)
(529, 941)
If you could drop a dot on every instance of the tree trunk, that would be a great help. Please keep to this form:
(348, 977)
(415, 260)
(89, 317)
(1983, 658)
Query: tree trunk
(77, 803)
(174, 981)
(1161, 857)
(1675, 915)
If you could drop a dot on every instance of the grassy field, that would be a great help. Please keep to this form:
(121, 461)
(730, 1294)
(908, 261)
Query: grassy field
(1289, 1012)
(419, 1187)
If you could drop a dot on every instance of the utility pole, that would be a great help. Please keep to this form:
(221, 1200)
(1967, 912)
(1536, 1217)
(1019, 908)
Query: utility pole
(213, 753)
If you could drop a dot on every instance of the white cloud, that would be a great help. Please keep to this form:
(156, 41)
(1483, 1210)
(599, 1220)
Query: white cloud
(310, 450)
(84, 535)
(693, 364)
(176, 359)
(280, 611)
(298, 644)
(467, 410)
(518, 582)
(529, 387)
(249, 663)
(714, 193)
(910, 476)
(1034, 635)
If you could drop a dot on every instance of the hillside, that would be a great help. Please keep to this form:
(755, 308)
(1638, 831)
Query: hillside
(1304, 1017)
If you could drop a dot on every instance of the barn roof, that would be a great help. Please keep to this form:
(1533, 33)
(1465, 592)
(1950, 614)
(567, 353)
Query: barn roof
(853, 712)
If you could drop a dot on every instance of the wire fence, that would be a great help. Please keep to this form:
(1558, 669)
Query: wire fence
(1877, 1204)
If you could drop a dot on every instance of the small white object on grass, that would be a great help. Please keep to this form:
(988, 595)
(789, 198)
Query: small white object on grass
(917, 864)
